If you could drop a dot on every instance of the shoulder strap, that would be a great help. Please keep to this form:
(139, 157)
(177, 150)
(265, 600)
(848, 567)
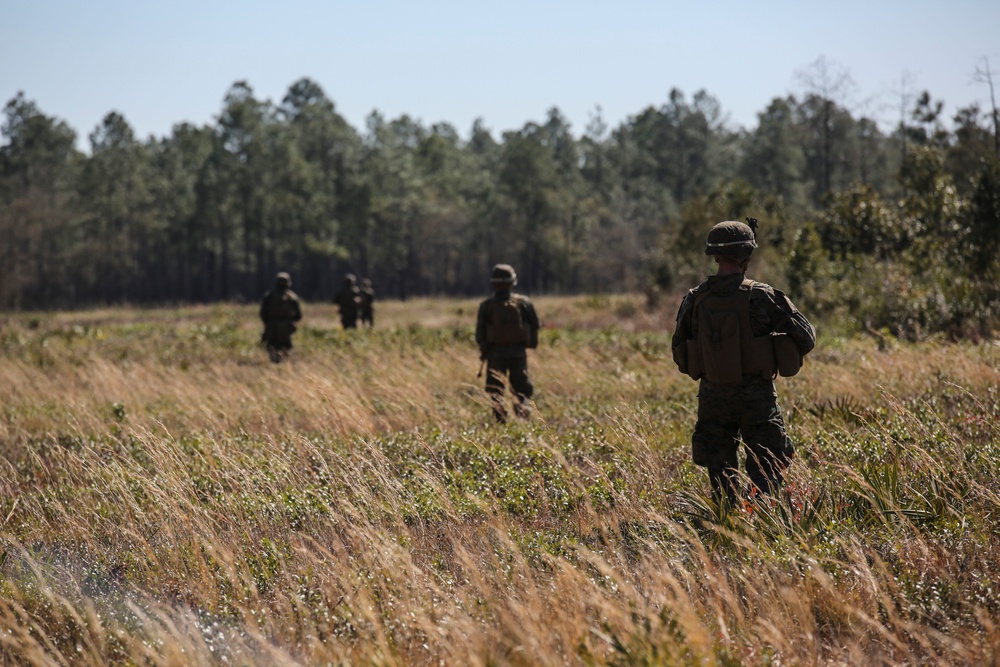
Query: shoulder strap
(699, 296)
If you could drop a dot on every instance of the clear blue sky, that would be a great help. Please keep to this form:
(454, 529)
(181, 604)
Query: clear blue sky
(164, 62)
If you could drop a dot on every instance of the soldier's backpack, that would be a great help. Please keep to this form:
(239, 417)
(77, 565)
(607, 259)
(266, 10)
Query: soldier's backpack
(724, 349)
(505, 324)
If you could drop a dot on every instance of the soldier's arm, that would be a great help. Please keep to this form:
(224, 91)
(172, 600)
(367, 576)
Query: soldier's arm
(682, 327)
(481, 330)
(263, 308)
(296, 310)
(531, 317)
(682, 332)
(790, 321)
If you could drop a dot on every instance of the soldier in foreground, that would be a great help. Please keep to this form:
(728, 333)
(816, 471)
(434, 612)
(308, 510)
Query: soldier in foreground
(506, 327)
(348, 300)
(367, 309)
(735, 335)
(279, 310)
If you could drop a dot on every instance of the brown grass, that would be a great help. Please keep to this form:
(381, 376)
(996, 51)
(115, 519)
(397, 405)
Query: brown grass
(168, 497)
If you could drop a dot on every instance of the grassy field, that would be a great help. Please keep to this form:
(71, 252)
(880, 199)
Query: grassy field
(169, 497)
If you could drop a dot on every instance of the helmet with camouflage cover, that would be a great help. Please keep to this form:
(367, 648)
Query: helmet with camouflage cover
(282, 280)
(732, 238)
(503, 275)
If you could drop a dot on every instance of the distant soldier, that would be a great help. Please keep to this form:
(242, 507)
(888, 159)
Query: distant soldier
(348, 299)
(279, 310)
(367, 310)
(505, 327)
(735, 335)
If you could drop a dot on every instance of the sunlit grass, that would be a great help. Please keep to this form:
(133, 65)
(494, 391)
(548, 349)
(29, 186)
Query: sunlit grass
(167, 496)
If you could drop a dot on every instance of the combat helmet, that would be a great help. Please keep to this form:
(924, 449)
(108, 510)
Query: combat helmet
(732, 238)
(282, 280)
(503, 274)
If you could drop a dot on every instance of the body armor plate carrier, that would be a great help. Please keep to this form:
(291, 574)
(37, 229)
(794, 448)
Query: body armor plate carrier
(724, 350)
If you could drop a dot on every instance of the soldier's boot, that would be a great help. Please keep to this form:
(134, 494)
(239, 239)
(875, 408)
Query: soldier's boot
(756, 496)
(499, 408)
(765, 474)
(274, 354)
(500, 415)
(522, 408)
(725, 487)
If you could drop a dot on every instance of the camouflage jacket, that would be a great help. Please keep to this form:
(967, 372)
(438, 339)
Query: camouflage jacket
(348, 299)
(280, 306)
(529, 316)
(367, 298)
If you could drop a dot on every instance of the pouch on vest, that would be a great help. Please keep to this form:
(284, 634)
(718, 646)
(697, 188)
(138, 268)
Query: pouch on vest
(719, 344)
(692, 359)
(787, 355)
(506, 324)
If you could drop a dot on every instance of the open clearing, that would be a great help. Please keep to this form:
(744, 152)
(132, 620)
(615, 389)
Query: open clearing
(169, 497)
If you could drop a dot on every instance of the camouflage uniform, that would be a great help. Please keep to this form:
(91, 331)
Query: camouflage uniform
(511, 360)
(747, 410)
(367, 308)
(279, 311)
(348, 299)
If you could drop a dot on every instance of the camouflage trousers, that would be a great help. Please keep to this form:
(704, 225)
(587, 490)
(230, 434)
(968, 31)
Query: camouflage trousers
(508, 364)
(728, 415)
(277, 338)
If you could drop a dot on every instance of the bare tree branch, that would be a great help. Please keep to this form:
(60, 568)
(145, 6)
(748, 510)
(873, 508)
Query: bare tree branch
(984, 75)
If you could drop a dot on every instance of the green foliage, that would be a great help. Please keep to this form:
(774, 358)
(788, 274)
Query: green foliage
(806, 260)
(932, 208)
(915, 267)
(774, 160)
(858, 221)
(212, 213)
(984, 220)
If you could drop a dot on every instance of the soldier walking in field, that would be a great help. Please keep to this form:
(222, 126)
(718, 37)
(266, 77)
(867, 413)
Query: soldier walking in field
(506, 326)
(735, 335)
(279, 310)
(367, 308)
(348, 300)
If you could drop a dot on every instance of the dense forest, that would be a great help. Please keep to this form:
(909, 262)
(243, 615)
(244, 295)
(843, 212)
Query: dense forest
(896, 230)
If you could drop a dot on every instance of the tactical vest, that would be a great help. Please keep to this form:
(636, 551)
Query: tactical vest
(279, 306)
(505, 324)
(724, 349)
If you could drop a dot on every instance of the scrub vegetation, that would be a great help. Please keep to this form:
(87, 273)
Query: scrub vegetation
(169, 497)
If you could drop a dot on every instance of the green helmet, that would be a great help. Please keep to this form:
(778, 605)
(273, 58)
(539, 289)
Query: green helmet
(503, 274)
(732, 239)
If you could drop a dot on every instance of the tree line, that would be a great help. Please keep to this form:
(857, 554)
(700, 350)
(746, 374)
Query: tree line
(212, 212)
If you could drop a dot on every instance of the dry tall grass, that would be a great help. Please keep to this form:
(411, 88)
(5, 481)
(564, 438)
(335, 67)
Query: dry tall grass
(169, 497)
